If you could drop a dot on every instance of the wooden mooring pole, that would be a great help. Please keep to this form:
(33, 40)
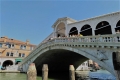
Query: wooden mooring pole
(71, 72)
(31, 73)
(45, 72)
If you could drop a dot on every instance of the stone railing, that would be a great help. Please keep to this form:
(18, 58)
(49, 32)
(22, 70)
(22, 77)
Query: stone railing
(87, 40)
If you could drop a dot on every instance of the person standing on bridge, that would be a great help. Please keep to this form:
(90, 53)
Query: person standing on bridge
(117, 32)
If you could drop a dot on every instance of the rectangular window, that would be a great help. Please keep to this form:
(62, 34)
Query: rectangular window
(11, 54)
(19, 54)
(9, 45)
(23, 55)
(12, 45)
(0, 44)
(22, 47)
(31, 48)
(7, 54)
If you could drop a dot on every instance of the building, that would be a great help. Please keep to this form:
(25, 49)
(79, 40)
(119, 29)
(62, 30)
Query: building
(13, 51)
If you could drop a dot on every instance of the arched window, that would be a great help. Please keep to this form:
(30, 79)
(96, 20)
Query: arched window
(60, 31)
(117, 26)
(103, 28)
(86, 30)
(73, 31)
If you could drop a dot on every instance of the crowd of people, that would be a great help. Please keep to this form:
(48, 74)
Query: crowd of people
(73, 35)
(118, 31)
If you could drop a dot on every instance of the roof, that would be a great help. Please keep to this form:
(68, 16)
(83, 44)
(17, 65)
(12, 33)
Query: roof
(10, 40)
(62, 19)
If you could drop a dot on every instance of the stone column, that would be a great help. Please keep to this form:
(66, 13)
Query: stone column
(72, 72)
(118, 64)
(31, 73)
(45, 72)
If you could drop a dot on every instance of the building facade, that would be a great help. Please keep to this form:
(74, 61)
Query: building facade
(13, 51)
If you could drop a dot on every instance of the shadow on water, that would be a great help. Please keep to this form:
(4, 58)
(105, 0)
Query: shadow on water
(57, 75)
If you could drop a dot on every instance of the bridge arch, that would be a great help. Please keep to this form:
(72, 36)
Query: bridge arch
(117, 26)
(83, 57)
(86, 30)
(7, 63)
(103, 28)
(60, 29)
(73, 31)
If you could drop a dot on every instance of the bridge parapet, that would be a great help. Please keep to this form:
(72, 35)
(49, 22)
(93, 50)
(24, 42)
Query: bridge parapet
(99, 41)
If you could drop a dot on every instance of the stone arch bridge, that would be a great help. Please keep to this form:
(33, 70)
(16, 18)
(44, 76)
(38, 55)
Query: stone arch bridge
(59, 53)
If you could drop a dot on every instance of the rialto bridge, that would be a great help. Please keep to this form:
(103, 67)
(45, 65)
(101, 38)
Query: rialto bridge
(99, 43)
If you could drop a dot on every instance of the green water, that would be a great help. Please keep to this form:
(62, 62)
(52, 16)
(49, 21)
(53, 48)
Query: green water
(22, 76)
(16, 76)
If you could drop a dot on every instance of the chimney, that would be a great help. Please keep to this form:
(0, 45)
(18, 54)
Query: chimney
(27, 42)
(5, 38)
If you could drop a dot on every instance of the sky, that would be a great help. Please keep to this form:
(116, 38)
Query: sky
(33, 19)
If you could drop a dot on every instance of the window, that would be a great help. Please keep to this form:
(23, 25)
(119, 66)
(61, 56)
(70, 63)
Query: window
(0, 52)
(23, 55)
(9, 45)
(22, 47)
(83, 64)
(0, 44)
(11, 54)
(7, 54)
(19, 54)
(31, 48)
(12, 45)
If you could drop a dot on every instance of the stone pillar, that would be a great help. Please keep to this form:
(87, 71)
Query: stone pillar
(31, 73)
(118, 64)
(71, 72)
(45, 72)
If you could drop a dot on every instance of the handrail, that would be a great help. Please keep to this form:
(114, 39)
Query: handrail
(113, 38)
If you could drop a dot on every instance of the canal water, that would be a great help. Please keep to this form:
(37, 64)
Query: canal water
(16, 76)
(22, 76)
(63, 76)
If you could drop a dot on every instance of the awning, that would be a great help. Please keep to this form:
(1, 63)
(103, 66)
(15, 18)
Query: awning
(18, 60)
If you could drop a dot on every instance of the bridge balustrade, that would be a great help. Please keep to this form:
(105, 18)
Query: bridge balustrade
(114, 38)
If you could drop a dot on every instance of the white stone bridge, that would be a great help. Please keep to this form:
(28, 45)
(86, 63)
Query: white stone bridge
(59, 53)
(99, 43)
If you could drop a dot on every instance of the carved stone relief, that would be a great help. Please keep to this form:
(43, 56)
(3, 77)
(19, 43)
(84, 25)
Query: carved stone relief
(101, 55)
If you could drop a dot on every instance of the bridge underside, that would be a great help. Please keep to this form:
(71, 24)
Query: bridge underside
(59, 60)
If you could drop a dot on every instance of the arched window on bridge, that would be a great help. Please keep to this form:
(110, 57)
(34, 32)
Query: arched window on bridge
(86, 30)
(7, 63)
(60, 31)
(73, 31)
(117, 26)
(103, 28)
